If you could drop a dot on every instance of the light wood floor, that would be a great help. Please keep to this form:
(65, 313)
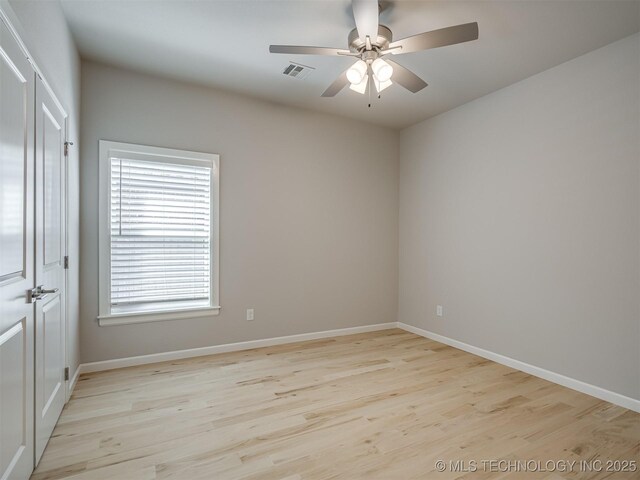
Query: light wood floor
(383, 405)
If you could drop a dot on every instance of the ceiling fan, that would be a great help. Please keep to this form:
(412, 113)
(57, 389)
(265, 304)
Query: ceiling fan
(369, 42)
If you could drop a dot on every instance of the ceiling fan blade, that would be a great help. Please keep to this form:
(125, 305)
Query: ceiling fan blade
(437, 38)
(337, 85)
(298, 50)
(365, 13)
(406, 78)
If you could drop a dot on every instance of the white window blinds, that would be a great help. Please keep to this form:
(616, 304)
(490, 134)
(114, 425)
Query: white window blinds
(160, 234)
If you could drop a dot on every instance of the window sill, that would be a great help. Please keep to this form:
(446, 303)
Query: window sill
(145, 317)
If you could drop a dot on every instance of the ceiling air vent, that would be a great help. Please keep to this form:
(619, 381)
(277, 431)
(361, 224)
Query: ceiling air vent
(297, 70)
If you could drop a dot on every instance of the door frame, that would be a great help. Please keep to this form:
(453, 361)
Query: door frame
(65, 226)
(68, 387)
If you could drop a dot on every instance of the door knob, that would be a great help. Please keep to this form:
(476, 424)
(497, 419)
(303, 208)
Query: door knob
(38, 293)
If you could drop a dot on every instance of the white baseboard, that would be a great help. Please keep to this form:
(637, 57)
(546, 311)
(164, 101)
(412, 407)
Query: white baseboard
(594, 391)
(229, 347)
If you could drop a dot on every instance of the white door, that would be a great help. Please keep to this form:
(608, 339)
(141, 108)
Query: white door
(49, 266)
(16, 259)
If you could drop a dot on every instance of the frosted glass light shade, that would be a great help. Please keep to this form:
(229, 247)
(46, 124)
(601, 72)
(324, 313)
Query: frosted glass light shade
(380, 86)
(382, 70)
(360, 87)
(357, 72)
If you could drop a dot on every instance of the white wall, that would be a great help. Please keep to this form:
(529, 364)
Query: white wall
(520, 212)
(43, 29)
(309, 211)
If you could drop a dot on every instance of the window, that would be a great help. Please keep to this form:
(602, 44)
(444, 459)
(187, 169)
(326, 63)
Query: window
(158, 233)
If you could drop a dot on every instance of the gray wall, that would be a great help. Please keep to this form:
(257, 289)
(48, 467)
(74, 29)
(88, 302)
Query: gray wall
(43, 29)
(520, 212)
(309, 211)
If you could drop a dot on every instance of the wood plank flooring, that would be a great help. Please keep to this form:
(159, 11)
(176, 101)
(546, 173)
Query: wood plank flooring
(382, 405)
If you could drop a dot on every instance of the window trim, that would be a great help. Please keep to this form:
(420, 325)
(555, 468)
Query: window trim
(107, 150)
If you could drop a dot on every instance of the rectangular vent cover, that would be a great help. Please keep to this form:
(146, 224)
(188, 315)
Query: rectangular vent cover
(297, 70)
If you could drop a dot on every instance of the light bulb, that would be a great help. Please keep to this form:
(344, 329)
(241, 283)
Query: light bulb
(357, 72)
(362, 86)
(382, 70)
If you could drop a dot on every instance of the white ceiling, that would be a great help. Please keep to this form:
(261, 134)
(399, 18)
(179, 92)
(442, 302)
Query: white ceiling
(225, 44)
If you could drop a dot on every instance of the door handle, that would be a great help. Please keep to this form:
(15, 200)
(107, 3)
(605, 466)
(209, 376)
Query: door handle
(38, 293)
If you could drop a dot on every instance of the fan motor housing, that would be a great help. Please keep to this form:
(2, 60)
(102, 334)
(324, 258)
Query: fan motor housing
(381, 43)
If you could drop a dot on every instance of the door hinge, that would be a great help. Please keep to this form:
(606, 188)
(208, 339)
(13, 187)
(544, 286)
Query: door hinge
(66, 373)
(66, 148)
(66, 262)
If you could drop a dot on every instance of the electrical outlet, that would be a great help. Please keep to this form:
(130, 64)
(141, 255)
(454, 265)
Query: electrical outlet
(250, 316)
(439, 310)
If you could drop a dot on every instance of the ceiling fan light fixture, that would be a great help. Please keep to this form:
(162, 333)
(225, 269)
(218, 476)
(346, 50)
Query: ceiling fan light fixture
(381, 70)
(370, 41)
(357, 72)
(362, 86)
